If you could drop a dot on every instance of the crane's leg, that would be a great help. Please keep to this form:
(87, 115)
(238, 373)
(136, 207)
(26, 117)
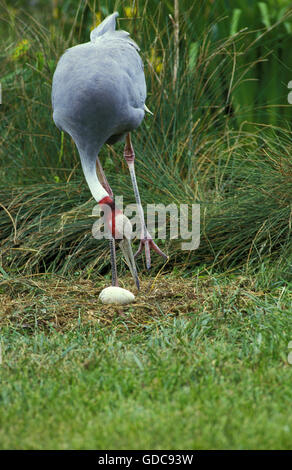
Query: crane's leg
(105, 184)
(146, 239)
(114, 263)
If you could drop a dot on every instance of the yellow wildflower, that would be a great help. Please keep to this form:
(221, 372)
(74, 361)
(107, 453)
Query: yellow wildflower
(55, 13)
(21, 49)
(159, 67)
(55, 10)
(130, 12)
(156, 61)
(97, 20)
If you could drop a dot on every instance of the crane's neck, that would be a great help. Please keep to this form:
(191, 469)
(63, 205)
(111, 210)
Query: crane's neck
(89, 169)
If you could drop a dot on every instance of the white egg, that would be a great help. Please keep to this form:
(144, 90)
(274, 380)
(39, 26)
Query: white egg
(116, 295)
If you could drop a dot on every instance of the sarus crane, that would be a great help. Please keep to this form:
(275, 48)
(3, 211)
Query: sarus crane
(98, 97)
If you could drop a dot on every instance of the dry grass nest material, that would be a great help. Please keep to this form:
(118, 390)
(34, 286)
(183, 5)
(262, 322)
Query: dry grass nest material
(51, 301)
(61, 303)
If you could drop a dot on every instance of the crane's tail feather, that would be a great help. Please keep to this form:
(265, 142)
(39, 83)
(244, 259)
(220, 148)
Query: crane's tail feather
(108, 24)
(107, 30)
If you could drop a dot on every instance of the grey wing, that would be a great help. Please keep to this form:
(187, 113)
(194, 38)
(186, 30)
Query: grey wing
(100, 85)
(125, 53)
(120, 47)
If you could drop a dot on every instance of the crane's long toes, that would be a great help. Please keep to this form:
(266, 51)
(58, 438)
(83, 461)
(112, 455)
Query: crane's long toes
(138, 251)
(148, 243)
(158, 250)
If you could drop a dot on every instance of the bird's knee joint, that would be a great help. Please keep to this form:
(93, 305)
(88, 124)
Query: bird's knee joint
(129, 155)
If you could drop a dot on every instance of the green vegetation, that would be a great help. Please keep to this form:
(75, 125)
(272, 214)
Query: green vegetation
(211, 373)
(202, 144)
(201, 359)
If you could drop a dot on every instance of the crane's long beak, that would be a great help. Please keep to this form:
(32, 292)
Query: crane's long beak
(126, 248)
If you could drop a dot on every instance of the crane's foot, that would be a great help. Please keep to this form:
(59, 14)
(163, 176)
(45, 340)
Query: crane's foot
(148, 243)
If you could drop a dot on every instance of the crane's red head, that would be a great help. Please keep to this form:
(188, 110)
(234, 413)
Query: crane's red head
(111, 213)
(121, 229)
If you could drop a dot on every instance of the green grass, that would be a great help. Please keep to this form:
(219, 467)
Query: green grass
(215, 377)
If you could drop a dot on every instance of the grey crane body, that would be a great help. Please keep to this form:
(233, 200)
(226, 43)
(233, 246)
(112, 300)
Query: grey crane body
(98, 93)
(99, 90)
(98, 96)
